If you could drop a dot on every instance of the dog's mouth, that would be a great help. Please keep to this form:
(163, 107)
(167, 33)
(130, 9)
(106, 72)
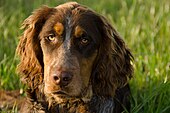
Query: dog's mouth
(60, 93)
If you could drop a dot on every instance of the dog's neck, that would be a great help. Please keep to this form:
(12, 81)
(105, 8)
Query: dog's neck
(96, 105)
(88, 103)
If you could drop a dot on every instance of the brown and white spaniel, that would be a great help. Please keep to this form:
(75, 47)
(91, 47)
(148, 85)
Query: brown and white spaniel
(73, 61)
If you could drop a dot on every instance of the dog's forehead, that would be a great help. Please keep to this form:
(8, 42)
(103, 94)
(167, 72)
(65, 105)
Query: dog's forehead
(74, 19)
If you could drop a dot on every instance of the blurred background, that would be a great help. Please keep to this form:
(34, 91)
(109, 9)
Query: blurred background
(143, 24)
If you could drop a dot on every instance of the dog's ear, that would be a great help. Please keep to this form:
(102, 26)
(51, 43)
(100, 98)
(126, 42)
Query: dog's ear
(113, 65)
(29, 50)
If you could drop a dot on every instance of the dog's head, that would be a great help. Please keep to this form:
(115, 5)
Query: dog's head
(74, 51)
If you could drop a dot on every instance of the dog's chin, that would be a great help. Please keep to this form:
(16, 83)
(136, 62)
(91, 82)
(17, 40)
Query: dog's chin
(60, 96)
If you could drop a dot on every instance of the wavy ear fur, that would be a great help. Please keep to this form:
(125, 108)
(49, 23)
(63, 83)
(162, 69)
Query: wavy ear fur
(113, 66)
(29, 50)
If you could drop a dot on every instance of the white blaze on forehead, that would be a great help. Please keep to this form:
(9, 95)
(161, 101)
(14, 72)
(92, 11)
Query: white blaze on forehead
(68, 27)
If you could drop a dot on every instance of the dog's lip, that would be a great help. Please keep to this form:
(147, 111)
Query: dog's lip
(60, 92)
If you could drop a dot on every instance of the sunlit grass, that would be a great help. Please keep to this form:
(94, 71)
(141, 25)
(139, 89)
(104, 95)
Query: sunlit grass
(143, 24)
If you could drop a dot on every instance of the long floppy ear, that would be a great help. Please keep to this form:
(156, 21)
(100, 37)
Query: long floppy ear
(113, 66)
(29, 50)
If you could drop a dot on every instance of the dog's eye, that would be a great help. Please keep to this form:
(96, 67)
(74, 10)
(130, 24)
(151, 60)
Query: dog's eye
(84, 40)
(51, 37)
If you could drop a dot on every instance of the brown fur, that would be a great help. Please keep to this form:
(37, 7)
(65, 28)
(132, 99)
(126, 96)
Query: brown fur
(99, 66)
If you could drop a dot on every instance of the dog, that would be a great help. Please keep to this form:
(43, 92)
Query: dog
(73, 61)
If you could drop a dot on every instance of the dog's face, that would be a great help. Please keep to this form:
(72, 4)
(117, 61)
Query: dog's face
(74, 51)
(70, 43)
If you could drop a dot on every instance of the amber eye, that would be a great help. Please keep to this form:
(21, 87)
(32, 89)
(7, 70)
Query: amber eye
(51, 37)
(84, 40)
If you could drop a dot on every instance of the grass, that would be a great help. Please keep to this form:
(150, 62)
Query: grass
(144, 25)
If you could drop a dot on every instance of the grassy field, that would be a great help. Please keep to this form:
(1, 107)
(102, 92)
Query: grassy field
(144, 25)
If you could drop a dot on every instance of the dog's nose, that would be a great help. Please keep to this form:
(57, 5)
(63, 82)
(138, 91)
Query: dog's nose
(62, 79)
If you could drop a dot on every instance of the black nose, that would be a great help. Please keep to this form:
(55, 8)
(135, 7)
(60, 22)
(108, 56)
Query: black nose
(62, 79)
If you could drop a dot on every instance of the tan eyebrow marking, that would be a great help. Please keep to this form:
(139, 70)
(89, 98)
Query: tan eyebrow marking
(59, 28)
(78, 31)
